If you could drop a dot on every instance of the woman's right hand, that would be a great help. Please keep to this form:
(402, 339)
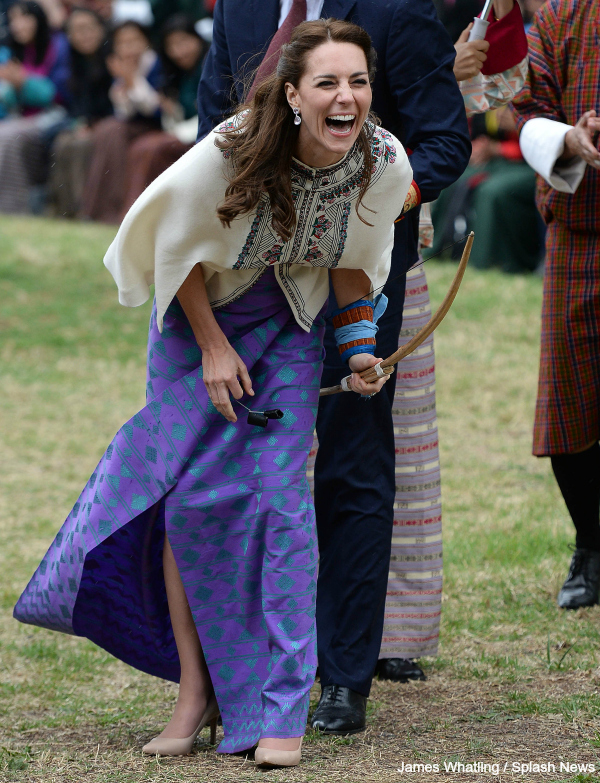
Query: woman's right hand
(221, 368)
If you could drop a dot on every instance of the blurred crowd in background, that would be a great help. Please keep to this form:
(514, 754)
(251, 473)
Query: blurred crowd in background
(96, 100)
(98, 97)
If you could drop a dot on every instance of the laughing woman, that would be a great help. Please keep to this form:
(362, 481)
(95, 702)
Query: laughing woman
(191, 553)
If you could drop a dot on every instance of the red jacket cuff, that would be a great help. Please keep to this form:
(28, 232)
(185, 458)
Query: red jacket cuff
(413, 198)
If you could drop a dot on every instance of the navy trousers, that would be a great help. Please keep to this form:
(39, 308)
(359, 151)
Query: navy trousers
(354, 495)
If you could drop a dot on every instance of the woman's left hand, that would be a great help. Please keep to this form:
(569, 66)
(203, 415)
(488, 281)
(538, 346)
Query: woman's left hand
(358, 363)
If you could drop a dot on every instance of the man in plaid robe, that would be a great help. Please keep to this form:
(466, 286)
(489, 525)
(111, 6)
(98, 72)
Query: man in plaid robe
(557, 114)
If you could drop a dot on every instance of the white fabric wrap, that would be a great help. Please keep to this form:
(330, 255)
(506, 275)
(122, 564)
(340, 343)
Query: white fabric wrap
(542, 143)
(173, 226)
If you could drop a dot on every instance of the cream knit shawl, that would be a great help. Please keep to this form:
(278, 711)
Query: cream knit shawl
(173, 226)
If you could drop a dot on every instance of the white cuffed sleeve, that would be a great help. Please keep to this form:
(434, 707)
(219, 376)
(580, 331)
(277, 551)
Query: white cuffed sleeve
(542, 143)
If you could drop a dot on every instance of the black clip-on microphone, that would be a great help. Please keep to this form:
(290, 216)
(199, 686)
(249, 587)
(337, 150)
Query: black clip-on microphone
(261, 418)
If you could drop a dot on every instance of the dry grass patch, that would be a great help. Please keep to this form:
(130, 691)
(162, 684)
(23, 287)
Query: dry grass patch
(436, 722)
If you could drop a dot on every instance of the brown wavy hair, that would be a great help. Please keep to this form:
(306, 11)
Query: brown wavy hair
(263, 143)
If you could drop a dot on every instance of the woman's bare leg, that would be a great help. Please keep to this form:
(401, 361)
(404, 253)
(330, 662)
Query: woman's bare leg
(195, 686)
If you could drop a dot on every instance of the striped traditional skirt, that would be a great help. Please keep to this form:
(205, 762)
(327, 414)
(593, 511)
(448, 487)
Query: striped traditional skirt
(567, 416)
(414, 596)
(235, 504)
(413, 605)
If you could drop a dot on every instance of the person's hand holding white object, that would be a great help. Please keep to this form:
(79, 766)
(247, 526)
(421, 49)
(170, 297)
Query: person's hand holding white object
(470, 56)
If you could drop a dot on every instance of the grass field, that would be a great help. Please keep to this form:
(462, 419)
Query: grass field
(517, 680)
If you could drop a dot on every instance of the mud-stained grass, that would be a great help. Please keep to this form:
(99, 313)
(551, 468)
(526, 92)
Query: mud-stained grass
(516, 681)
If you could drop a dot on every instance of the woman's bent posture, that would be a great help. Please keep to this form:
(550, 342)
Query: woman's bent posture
(191, 553)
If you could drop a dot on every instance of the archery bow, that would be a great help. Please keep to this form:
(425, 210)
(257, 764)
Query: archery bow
(387, 366)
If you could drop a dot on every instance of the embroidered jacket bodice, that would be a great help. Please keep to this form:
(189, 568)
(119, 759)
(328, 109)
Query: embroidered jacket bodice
(173, 226)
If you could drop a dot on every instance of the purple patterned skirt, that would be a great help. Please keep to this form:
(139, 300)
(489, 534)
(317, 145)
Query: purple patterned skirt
(235, 504)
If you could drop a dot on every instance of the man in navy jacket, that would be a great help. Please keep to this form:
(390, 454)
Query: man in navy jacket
(416, 97)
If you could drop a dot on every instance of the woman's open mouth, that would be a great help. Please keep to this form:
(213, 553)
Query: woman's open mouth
(340, 124)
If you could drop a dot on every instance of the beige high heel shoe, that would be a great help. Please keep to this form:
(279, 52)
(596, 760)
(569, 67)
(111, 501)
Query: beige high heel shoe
(167, 746)
(270, 757)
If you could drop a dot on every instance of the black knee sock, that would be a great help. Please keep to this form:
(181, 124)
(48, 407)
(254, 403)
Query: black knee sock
(578, 476)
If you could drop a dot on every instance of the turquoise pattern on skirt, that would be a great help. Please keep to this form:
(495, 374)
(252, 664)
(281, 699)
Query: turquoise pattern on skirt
(235, 504)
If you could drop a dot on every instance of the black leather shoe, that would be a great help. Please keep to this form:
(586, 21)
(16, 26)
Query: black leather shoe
(582, 585)
(341, 711)
(399, 670)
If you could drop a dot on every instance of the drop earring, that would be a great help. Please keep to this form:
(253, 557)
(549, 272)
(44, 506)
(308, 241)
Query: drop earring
(297, 117)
